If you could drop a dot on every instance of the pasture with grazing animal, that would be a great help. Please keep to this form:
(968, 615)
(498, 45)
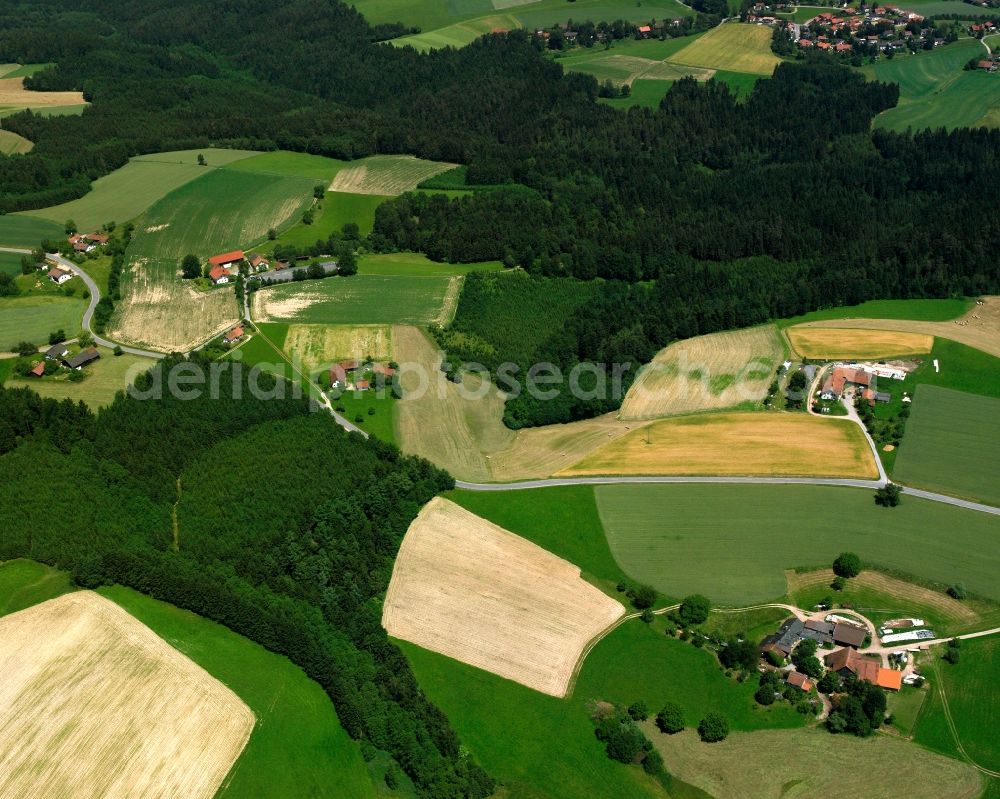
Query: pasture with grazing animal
(471, 590)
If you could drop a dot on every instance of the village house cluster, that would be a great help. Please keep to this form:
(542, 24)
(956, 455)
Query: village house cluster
(60, 354)
(359, 375)
(85, 242)
(847, 661)
(224, 267)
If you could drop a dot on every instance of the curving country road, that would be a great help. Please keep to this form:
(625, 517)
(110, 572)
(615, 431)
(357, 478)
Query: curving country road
(95, 297)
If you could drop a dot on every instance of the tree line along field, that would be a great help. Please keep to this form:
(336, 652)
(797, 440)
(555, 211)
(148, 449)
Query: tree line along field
(734, 47)
(952, 444)
(732, 542)
(711, 372)
(934, 89)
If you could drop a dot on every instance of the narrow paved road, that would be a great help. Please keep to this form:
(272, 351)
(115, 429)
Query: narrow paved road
(95, 297)
(815, 481)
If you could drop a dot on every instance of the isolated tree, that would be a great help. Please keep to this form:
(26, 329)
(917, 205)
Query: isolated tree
(272, 234)
(838, 584)
(25, 348)
(57, 336)
(319, 192)
(69, 227)
(847, 564)
(713, 728)
(957, 591)
(952, 655)
(201, 160)
(118, 350)
(190, 267)
(888, 496)
(644, 596)
(670, 719)
(638, 711)
(85, 339)
(694, 609)
(347, 262)
(307, 218)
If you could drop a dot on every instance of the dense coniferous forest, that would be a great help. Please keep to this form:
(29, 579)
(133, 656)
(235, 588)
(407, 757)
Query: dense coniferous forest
(287, 528)
(683, 205)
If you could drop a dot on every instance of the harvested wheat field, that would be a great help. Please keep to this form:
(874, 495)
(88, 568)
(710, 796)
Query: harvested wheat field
(711, 372)
(979, 328)
(814, 765)
(900, 589)
(771, 445)
(470, 590)
(318, 345)
(460, 428)
(836, 343)
(13, 93)
(160, 312)
(387, 175)
(94, 704)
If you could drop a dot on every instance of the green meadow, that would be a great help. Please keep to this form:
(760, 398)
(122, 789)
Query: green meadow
(10, 263)
(24, 583)
(934, 89)
(952, 444)
(733, 542)
(130, 190)
(645, 94)
(289, 164)
(918, 310)
(297, 747)
(33, 318)
(970, 687)
(223, 210)
(413, 263)
(330, 216)
(27, 231)
(360, 299)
